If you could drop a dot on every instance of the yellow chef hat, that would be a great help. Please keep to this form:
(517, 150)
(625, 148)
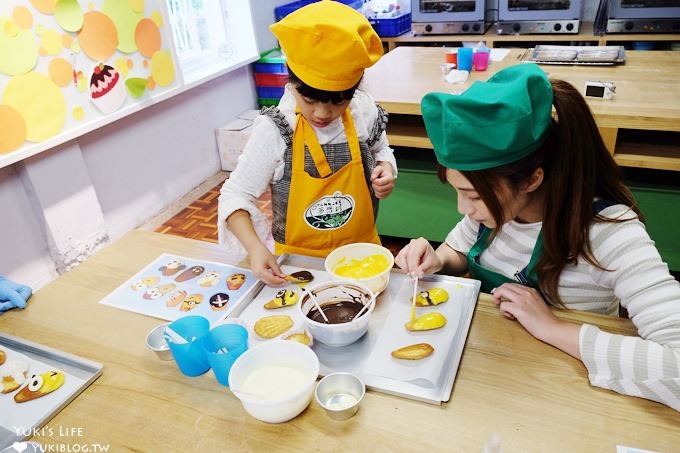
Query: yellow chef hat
(328, 44)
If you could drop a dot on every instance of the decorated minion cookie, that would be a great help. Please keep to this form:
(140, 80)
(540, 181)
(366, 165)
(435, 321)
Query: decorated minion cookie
(283, 298)
(40, 385)
(433, 296)
(300, 277)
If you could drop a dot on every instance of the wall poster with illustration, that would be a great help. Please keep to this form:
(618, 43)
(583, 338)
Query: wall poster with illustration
(69, 66)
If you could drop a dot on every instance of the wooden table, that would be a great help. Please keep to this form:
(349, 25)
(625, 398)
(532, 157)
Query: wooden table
(535, 397)
(647, 98)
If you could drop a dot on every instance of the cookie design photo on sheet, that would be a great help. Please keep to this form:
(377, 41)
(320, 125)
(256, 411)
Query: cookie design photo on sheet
(191, 302)
(3, 356)
(192, 272)
(212, 278)
(235, 281)
(172, 268)
(144, 283)
(176, 297)
(158, 291)
(219, 301)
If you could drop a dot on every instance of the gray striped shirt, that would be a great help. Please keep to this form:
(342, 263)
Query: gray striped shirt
(647, 366)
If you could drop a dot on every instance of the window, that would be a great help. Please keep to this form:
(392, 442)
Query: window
(211, 36)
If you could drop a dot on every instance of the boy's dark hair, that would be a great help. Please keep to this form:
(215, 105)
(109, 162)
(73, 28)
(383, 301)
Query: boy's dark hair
(336, 97)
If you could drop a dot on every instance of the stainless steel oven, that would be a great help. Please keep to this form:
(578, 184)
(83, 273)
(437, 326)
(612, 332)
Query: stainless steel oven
(435, 17)
(642, 16)
(538, 16)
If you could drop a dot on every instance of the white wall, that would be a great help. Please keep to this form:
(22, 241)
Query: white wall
(60, 206)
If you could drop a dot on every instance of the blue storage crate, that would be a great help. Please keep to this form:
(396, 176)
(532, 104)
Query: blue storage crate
(270, 92)
(282, 11)
(393, 26)
(356, 4)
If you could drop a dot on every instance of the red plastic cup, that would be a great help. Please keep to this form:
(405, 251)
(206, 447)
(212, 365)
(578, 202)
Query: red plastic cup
(451, 56)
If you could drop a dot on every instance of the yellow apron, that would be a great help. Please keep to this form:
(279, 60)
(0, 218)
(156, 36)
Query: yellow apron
(332, 210)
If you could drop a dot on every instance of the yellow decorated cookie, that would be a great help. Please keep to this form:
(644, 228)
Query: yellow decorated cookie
(433, 296)
(283, 298)
(428, 321)
(40, 385)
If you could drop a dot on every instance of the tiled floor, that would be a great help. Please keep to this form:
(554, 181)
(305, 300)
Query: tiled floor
(198, 220)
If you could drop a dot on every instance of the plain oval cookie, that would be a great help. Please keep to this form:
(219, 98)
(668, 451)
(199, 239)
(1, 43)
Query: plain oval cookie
(272, 326)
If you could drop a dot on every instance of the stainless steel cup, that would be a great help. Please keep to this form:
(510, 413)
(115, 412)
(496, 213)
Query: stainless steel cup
(340, 395)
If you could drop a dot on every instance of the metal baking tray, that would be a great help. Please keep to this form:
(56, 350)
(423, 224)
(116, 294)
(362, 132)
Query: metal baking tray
(578, 55)
(85, 372)
(369, 357)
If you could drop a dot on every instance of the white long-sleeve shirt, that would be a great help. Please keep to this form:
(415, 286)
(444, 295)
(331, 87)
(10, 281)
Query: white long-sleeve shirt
(647, 366)
(262, 161)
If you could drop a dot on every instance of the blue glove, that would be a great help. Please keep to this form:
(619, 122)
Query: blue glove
(13, 294)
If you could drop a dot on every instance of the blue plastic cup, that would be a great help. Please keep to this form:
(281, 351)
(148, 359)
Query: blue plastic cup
(465, 58)
(189, 356)
(222, 346)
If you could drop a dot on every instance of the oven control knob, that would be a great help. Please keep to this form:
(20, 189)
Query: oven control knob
(570, 26)
(465, 27)
(557, 27)
(475, 27)
(629, 25)
(516, 28)
(428, 28)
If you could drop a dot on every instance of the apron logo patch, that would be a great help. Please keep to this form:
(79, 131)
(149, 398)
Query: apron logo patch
(330, 212)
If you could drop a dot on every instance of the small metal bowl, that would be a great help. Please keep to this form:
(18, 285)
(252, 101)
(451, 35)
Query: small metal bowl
(155, 341)
(340, 395)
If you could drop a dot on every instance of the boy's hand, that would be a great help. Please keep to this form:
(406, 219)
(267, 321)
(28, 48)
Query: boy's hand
(382, 179)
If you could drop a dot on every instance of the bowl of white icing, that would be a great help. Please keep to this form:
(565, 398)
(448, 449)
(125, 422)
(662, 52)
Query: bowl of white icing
(275, 380)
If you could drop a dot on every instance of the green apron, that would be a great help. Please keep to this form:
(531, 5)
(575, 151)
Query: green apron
(491, 279)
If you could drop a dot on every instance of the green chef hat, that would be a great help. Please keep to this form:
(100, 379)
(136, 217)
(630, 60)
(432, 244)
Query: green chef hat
(492, 123)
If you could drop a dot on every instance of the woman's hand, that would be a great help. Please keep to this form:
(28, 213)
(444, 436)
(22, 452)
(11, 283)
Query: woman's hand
(264, 266)
(418, 258)
(382, 180)
(528, 307)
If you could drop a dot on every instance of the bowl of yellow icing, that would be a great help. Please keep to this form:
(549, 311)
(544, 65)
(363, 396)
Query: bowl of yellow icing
(362, 262)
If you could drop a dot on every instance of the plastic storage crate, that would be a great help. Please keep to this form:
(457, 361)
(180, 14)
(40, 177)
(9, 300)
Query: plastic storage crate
(271, 61)
(270, 92)
(282, 11)
(393, 26)
(270, 79)
(264, 102)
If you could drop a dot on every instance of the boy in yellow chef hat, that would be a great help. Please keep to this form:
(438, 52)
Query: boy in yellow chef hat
(323, 151)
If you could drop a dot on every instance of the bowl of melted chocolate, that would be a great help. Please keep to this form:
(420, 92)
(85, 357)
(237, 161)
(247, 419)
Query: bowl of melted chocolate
(346, 309)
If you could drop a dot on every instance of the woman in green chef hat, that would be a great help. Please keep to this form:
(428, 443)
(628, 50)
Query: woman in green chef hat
(549, 222)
